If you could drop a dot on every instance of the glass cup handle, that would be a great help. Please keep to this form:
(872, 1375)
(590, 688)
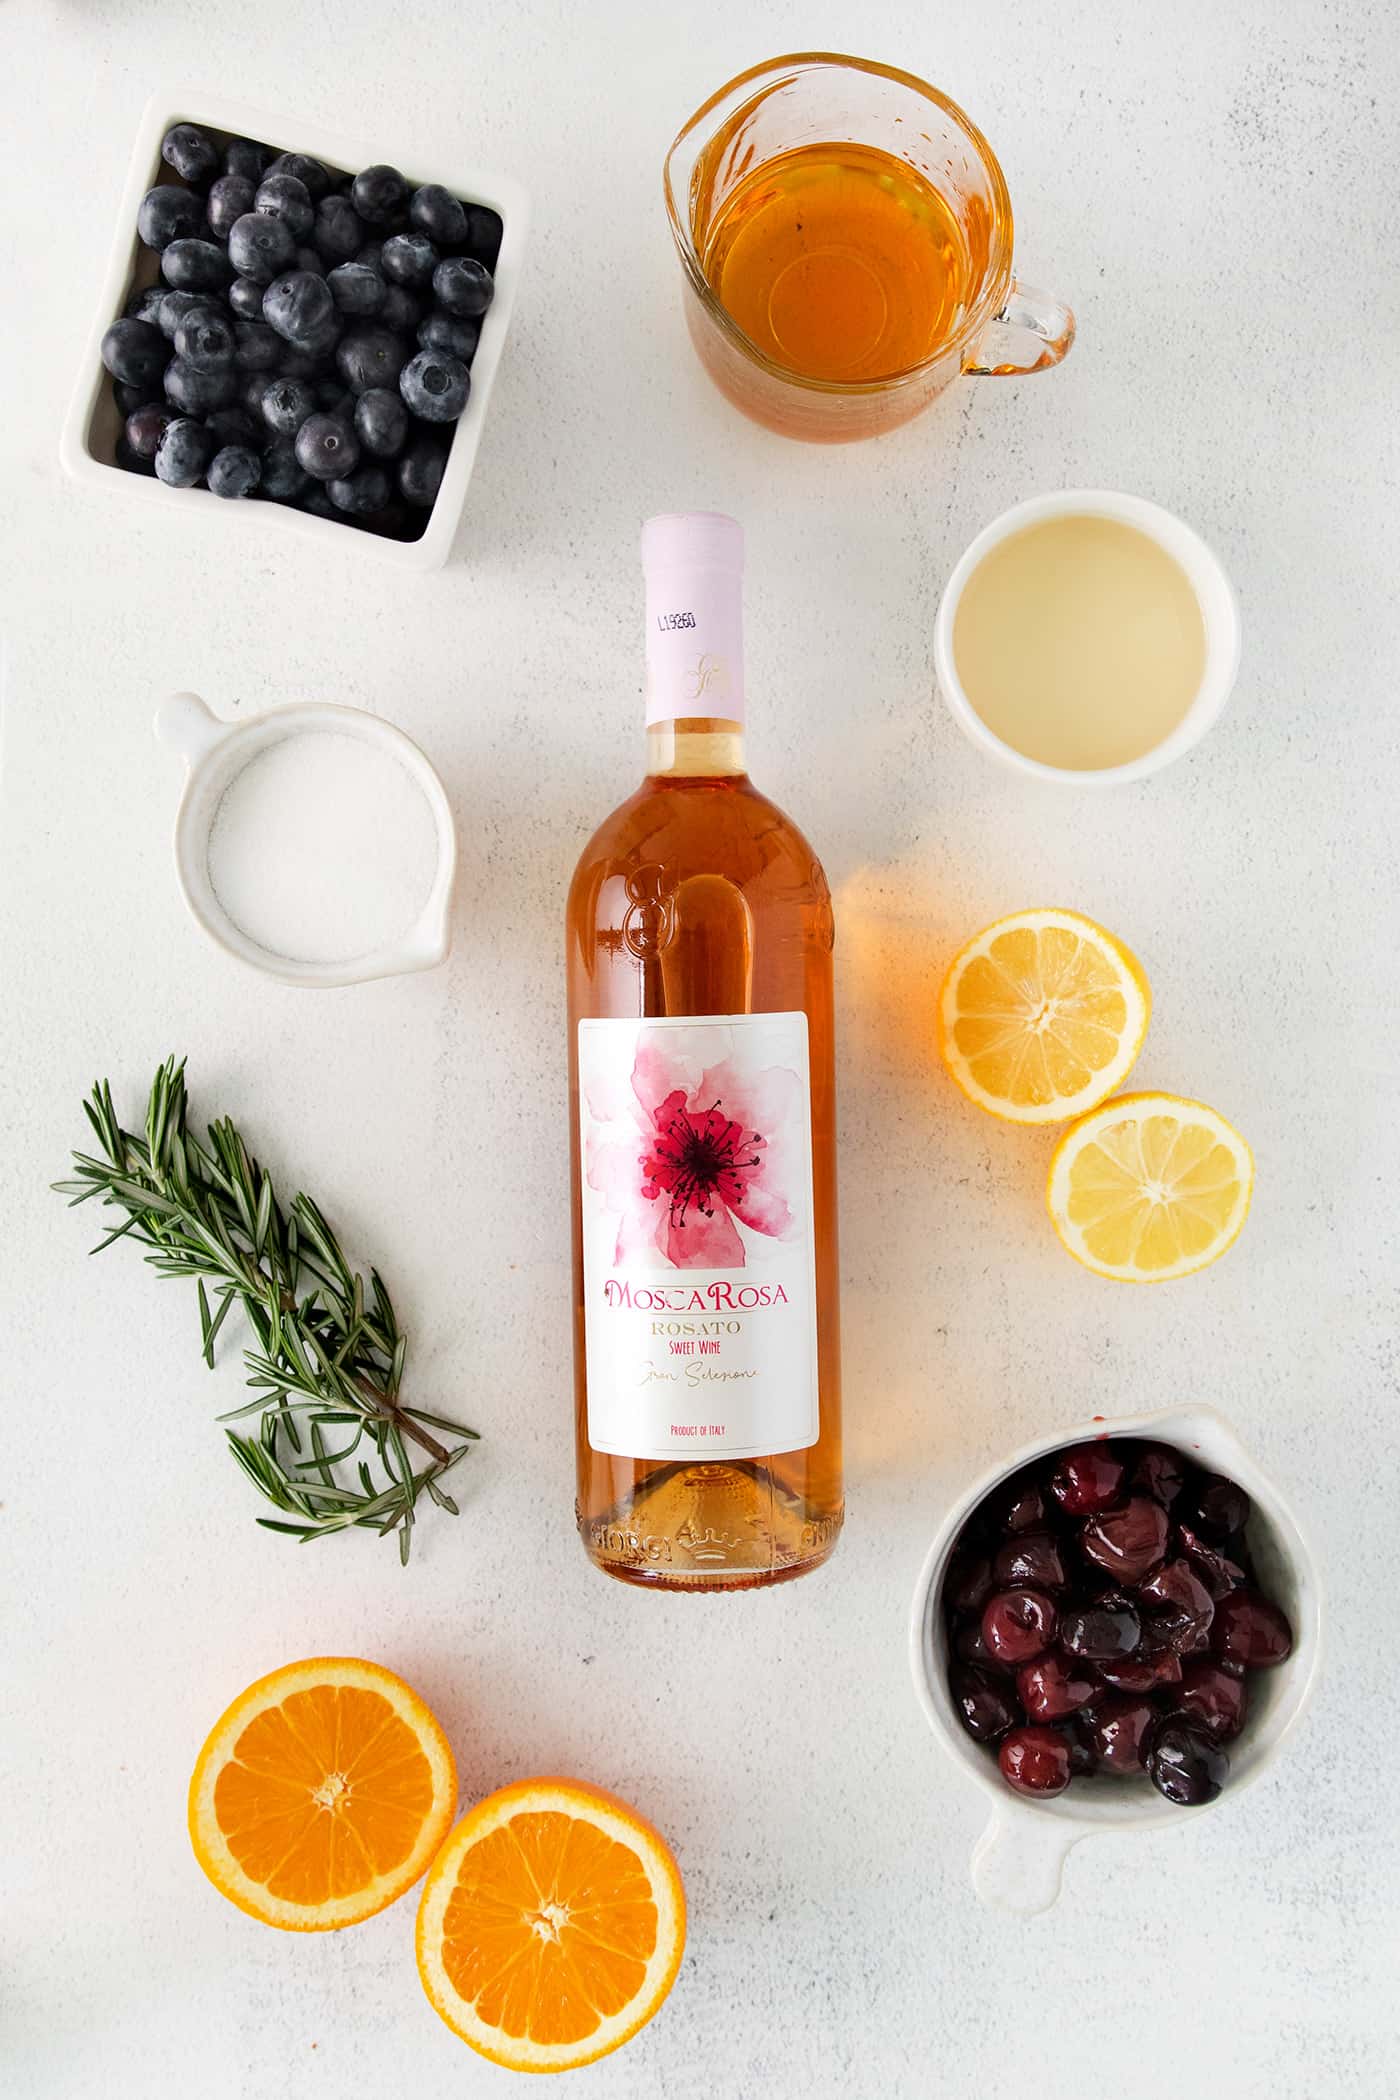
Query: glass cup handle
(1048, 320)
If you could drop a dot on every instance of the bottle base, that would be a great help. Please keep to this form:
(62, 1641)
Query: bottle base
(711, 1526)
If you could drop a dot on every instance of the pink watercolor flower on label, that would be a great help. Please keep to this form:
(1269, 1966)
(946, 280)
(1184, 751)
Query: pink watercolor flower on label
(712, 1147)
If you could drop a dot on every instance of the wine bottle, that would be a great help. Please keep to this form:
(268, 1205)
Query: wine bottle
(702, 1089)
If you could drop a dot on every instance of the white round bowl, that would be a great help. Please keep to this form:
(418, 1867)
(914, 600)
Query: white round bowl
(216, 752)
(1019, 1859)
(1219, 612)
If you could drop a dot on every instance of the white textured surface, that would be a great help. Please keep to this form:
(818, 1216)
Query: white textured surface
(1214, 188)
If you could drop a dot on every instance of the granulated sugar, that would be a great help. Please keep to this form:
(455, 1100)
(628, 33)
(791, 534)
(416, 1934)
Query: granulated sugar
(322, 848)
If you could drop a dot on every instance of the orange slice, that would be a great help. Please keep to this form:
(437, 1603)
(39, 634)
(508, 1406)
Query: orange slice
(551, 1926)
(1042, 1015)
(321, 1794)
(1150, 1186)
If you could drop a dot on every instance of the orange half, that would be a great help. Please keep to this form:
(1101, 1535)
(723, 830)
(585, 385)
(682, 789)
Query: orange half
(321, 1795)
(551, 1926)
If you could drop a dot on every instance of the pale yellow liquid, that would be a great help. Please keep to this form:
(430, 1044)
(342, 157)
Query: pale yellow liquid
(1080, 642)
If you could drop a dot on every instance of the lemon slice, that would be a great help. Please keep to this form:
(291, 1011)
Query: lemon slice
(1150, 1186)
(1042, 1015)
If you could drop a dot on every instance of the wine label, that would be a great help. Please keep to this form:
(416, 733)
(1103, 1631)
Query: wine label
(699, 1268)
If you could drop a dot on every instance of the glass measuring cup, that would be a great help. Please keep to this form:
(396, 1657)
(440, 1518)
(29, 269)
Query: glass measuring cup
(819, 97)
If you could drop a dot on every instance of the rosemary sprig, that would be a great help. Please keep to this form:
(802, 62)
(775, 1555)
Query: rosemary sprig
(329, 1357)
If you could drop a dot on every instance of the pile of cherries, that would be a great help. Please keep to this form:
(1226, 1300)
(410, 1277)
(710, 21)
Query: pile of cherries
(1103, 1616)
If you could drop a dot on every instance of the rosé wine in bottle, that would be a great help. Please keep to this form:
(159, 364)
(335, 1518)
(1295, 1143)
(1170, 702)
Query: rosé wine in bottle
(706, 1340)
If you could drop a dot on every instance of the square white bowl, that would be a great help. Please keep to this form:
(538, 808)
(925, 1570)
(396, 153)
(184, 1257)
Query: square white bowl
(88, 445)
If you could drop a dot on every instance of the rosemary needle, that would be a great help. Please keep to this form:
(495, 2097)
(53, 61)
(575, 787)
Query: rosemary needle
(328, 1360)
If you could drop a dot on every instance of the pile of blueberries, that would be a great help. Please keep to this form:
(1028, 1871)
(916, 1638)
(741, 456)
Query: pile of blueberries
(1103, 1615)
(311, 338)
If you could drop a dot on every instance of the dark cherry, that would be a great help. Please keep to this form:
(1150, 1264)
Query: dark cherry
(1035, 1760)
(1031, 1560)
(1018, 1625)
(1178, 1605)
(1213, 1698)
(1104, 1631)
(1053, 1686)
(1117, 1731)
(1159, 1472)
(1018, 1505)
(1250, 1630)
(1142, 1673)
(1184, 1764)
(1218, 1507)
(967, 1583)
(1217, 1570)
(969, 1646)
(1126, 1543)
(985, 1705)
(1087, 1478)
(1082, 1758)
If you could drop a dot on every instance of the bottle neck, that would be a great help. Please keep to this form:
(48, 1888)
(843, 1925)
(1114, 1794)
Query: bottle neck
(695, 747)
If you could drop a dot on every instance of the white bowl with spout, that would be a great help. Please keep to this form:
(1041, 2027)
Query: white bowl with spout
(216, 751)
(1018, 1861)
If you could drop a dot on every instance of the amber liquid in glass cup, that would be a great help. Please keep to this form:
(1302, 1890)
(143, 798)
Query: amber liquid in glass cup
(845, 234)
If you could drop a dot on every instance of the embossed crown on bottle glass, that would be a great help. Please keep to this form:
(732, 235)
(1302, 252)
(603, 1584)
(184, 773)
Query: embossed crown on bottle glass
(706, 1342)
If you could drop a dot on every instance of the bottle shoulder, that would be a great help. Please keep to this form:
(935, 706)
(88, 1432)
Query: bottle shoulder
(691, 827)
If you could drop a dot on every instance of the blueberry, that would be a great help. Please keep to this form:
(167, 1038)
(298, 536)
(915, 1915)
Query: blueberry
(356, 289)
(259, 246)
(484, 230)
(298, 306)
(282, 478)
(435, 385)
(409, 258)
(286, 404)
(327, 447)
(381, 422)
(378, 194)
(234, 426)
(308, 258)
(234, 471)
(463, 286)
(436, 212)
(400, 310)
(420, 472)
(144, 304)
(370, 357)
(256, 347)
(251, 388)
(339, 232)
(195, 266)
(315, 499)
(372, 256)
(129, 461)
(195, 393)
(145, 427)
(245, 298)
(312, 174)
(440, 331)
(191, 153)
(167, 215)
(183, 453)
(360, 493)
(176, 305)
(135, 351)
(205, 341)
(247, 158)
(230, 197)
(287, 198)
(129, 398)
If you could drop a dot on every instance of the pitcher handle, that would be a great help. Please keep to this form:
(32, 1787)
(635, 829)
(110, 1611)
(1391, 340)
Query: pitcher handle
(1035, 313)
(1019, 1858)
